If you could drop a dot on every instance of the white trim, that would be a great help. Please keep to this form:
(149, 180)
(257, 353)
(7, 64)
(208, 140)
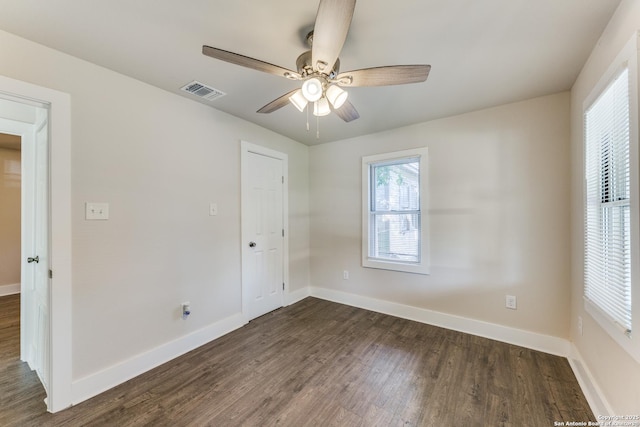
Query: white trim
(60, 256)
(245, 149)
(296, 296)
(11, 289)
(535, 341)
(590, 389)
(94, 384)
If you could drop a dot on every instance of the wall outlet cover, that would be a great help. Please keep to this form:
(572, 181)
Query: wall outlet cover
(96, 211)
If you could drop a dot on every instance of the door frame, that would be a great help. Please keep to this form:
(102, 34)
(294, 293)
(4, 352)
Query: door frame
(247, 148)
(60, 307)
(26, 132)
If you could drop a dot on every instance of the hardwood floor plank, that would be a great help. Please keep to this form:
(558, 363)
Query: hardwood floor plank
(316, 363)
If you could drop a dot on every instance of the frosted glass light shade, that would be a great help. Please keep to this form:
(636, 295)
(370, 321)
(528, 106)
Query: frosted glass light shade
(337, 96)
(312, 89)
(321, 107)
(298, 100)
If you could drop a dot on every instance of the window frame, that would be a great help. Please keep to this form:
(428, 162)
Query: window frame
(423, 265)
(627, 58)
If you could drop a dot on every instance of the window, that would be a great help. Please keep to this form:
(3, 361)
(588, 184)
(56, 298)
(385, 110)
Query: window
(608, 219)
(611, 205)
(394, 211)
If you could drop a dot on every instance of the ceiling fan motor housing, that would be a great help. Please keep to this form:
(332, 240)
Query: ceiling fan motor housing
(305, 67)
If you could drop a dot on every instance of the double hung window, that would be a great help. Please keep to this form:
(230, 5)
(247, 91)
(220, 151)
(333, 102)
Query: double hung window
(394, 213)
(611, 220)
(608, 207)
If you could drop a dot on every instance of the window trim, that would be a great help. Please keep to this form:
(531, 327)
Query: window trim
(422, 267)
(627, 58)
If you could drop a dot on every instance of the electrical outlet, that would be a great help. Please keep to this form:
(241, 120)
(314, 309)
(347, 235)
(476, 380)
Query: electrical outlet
(186, 310)
(580, 325)
(345, 275)
(511, 302)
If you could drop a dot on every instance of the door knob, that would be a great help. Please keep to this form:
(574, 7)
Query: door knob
(36, 259)
(252, 244)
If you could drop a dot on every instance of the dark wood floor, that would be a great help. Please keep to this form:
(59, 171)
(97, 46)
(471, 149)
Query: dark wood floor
(317, 363)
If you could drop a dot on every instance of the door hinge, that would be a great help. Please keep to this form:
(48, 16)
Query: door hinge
(283, 179)
(50, 274)
(283, 232)
(283, 286)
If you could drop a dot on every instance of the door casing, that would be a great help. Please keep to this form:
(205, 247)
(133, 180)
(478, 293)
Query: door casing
(60, 327)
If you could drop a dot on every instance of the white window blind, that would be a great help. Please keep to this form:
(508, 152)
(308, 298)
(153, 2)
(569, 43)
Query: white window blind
(608, 205)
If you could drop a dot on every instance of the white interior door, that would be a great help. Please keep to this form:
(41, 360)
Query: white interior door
(34, 310)
(262, 234)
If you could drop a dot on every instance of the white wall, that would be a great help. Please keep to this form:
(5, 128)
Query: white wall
(499, 216)
(613, 370)
(158, 159)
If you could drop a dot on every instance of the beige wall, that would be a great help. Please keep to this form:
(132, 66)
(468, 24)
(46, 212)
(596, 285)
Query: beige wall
(499, 216)
(613, 369)
(10, 179)
(159, 160)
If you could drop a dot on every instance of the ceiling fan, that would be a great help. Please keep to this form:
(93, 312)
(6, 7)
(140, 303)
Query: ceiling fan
(319, 68)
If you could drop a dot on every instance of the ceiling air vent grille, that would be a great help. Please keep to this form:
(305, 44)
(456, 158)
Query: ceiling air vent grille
(201, 90)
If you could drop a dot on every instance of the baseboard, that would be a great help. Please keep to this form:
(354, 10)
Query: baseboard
(591, 390)
(9, 289)
(94, 384)
(532, 340)
(296, 296)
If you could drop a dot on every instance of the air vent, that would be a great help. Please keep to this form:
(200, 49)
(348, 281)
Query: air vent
(201, 90)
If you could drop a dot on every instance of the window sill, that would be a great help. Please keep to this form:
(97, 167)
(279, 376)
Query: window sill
(396, 266)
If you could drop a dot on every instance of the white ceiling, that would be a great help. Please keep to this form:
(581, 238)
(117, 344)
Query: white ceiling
(483, 53)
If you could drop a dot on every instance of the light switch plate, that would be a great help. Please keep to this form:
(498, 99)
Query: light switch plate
(96, 211)
(213, 209)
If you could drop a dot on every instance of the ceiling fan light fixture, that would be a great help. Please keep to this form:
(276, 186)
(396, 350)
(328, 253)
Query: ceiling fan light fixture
(321, 107)
(337, 96)
(298, 100)
(312, 89)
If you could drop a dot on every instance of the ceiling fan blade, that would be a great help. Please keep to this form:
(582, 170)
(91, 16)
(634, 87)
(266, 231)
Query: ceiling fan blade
(384, 76)
(330, 31)
(245, 61)
(277, 103)
(347, 112)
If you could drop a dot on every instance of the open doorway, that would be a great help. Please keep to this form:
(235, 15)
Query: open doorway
(10, 210)
(15, 371)
(50, 132)
(27, 224)
(10, 247)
